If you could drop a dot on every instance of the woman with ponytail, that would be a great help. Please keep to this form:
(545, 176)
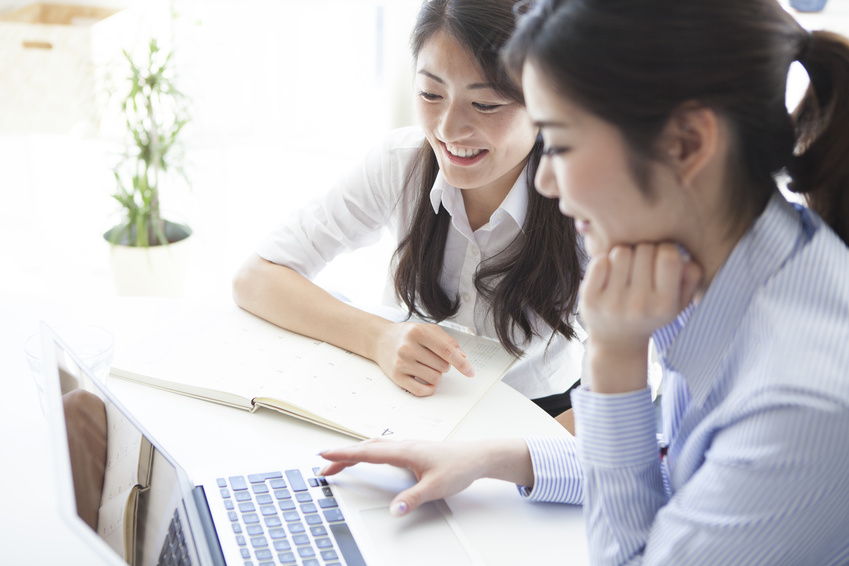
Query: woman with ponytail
(477, 245)
(666, 137)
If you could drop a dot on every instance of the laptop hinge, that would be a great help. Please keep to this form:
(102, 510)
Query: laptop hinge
(208, 526)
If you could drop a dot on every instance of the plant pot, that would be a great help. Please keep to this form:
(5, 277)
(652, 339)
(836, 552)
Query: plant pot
(155, 270)
(808, 5)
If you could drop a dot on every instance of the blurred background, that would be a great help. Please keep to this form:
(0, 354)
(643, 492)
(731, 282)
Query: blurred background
(286, 95)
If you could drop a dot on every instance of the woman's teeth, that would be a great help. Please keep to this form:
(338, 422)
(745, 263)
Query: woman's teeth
(462, 152)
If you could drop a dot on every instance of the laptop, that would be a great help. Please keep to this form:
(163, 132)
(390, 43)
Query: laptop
(149, 512)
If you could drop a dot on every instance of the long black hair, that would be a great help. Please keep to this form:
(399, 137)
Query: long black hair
(540, 271)
(633, 63)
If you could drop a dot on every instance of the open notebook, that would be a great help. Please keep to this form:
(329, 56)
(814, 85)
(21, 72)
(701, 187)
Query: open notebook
(151, 513)
(227, 355)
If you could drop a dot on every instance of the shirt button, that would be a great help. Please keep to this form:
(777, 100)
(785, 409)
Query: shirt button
(466, 297)
(475, 251)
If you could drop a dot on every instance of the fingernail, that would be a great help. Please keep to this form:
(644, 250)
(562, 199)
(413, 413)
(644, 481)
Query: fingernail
(323, 470)
(684, 253)
(398, 508)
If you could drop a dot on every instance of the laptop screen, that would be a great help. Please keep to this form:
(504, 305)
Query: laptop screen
(124, 490)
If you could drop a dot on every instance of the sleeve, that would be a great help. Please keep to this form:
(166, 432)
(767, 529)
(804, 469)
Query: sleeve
(351, 215)
(558, 476)
(769, 485)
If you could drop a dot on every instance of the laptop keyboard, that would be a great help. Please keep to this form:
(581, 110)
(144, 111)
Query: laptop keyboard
(174, 552)
(286, 518)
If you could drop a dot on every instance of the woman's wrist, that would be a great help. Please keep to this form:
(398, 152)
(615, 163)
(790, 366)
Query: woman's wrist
(506, 459)
(617, 369)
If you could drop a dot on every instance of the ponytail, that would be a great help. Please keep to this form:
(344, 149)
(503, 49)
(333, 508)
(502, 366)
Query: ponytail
(820, 169)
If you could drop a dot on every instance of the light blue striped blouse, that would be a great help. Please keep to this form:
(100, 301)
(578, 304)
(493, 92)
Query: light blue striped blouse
(756, 415)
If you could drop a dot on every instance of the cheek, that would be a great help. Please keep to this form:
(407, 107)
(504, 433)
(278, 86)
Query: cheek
(425, 113)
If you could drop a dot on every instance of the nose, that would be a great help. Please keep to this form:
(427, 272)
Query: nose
(455, 123)
(544, 181)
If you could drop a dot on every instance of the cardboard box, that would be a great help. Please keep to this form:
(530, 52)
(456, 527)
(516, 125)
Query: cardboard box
(55, 60)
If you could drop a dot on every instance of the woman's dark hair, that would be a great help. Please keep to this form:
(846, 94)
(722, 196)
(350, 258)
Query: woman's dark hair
(634, 63)
(540, 271)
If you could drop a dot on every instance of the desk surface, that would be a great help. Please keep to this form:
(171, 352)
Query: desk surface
(506, 529)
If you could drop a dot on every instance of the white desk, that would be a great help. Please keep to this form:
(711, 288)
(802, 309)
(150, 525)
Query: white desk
(505, 529)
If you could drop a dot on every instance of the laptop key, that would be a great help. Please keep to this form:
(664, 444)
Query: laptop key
(306, 552)
(245, 553)
(312, 519)
(264, 499)
(254, 530)
(324, 542)
(242, 496)
(282, 493)
(273, 521)
(290, 516)
(277, 483)
(333, 515)
(296, 527)
(247, 507)
(286, 505)
(318, 531)
(264, 554)
(238, 483)
(258, 542)
(287, 558)
(347, 545)
(329, 554)
(309, 508)
(303, 497)
(250, 518)
(296, 480)
(268, 510)
(258, 478)
(328, 503)
(282, 545)
(259, 488)
(221, 482)
(301, 540)
(277, 533)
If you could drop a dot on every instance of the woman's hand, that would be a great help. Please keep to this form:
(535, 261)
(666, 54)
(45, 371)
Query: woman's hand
(625, 296)
(441, 468)
(415, 355)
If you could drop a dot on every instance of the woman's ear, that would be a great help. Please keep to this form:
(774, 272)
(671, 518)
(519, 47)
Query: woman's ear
(690, 140)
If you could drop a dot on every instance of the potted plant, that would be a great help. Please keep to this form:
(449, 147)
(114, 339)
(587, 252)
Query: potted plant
(148, 255)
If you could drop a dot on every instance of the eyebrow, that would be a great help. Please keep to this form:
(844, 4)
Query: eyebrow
(473, 86)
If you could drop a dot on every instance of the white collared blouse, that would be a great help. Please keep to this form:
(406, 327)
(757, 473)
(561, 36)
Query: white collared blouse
(375, 196)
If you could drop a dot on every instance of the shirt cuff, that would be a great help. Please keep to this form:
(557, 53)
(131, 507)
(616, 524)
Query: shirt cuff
(615, 430)
(558, 476)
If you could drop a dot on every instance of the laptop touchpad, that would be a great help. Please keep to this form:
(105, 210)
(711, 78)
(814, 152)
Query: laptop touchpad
(401, 537)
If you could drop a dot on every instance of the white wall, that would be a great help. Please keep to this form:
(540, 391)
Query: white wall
(286, 95)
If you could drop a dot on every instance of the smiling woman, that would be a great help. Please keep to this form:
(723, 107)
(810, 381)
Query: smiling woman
(475, 244)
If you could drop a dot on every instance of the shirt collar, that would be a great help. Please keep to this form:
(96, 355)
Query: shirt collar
(696, 344)
(515, 204)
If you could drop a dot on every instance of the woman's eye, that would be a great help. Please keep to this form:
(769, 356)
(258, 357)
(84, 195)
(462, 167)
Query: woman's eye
(429, 96)
(486, 107)
(553, 150)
